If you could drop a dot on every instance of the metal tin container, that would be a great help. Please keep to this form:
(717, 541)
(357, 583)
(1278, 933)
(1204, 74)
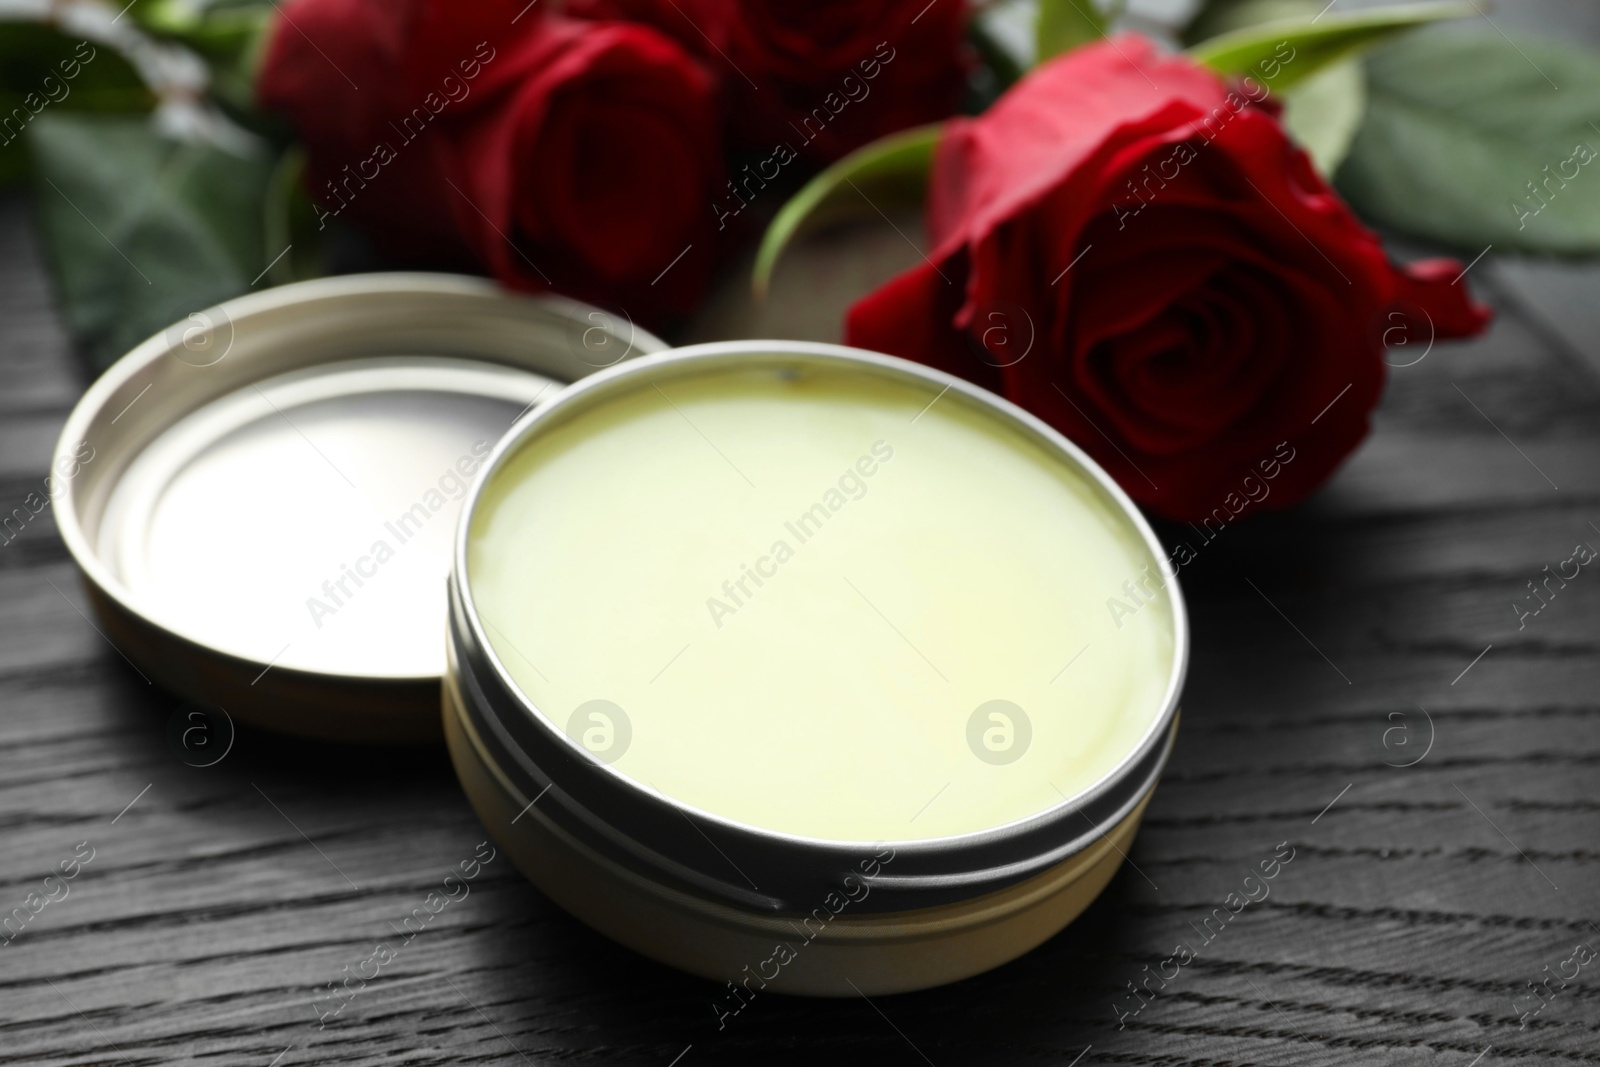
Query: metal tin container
(225, 487)
(803, 915)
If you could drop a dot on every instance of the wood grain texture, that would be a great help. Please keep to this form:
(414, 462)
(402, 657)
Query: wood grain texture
(1420, 901)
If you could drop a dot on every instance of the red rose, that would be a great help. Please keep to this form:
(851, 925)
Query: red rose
(344, 72)
(1192, 292)
(578, 156)
(824, 76)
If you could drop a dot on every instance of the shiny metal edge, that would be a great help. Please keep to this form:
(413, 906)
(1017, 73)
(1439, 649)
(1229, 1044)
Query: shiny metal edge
(308, 323)
(793, 868)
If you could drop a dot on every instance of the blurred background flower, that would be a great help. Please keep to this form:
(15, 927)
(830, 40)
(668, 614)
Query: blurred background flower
(801, 73)
(550, 152)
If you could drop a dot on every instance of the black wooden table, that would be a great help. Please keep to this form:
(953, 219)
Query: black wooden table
(1371, 628)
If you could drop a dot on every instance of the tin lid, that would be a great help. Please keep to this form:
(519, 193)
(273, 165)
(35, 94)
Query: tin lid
(261, 499)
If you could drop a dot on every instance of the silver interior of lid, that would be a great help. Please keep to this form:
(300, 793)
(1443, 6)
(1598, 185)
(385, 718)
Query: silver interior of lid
(228, 468)
(305, 520)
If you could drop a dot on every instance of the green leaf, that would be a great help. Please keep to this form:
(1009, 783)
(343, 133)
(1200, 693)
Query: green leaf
(1221, 16)
(1315, 43)
(1467, 140)
(43, 70)
(1065, 24)
(1323, 113)
(892, 169)
(141, 229)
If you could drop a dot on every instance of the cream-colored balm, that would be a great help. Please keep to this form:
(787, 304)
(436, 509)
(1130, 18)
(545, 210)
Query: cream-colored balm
(811, 602)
